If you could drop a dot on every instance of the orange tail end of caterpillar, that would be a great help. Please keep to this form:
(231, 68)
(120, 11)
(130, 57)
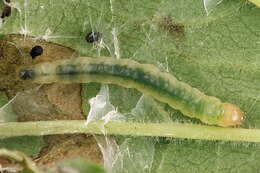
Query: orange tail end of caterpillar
(232, 115)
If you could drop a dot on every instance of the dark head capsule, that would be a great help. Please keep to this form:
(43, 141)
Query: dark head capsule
(36, 51)
(26, 74)
(92, 37)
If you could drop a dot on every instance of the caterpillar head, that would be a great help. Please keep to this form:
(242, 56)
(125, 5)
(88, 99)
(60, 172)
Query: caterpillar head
(232, 115)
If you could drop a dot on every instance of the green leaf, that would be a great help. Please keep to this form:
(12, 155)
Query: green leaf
(6, 112)
(218, 54)
(31, 145)
(79, 165)
(19, 157)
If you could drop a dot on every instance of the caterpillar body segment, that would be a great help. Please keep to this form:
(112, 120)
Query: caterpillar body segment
(144, 77)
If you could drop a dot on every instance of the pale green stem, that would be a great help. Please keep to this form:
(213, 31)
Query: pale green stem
(172, 130)
(256, 2)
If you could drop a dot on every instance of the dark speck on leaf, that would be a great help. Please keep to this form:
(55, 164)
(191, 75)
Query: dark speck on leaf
(36, 51)
(168, 24)
(93, 37)
(26, 74)
(6, 12)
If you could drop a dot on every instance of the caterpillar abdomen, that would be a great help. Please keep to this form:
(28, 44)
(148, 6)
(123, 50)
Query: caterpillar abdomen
(145, 78)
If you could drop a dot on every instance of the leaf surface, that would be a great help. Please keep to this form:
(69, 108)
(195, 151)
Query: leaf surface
(218, 54)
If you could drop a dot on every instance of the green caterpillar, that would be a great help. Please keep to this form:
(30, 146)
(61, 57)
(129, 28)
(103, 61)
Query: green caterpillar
(144, 77)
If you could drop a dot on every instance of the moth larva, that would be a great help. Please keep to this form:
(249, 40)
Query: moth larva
(144, 77)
